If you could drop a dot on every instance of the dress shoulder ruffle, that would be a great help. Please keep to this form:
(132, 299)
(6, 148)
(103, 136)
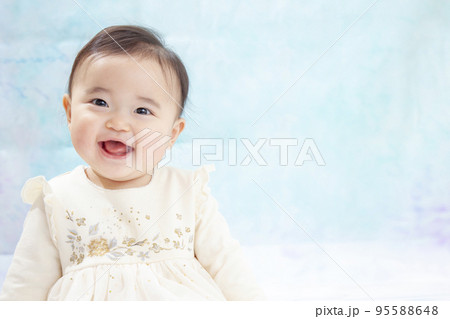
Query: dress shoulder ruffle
(201, 176)
(33, 188)
(37, 188)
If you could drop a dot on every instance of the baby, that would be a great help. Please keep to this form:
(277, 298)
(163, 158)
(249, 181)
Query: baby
(122, 228)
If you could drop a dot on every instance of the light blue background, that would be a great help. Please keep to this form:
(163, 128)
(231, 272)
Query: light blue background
(376, 104)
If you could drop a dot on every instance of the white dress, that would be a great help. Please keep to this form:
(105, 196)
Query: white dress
(163, 241)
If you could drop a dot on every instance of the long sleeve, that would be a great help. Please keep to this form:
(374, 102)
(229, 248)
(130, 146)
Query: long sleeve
(35, 265)
(219, 253)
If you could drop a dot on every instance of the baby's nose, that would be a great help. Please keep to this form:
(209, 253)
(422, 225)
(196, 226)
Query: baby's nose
(118, 123)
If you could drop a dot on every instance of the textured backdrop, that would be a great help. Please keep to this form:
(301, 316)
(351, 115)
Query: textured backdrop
(370, 87)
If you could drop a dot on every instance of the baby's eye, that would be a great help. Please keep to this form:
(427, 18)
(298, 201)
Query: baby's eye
(99, 102)
(143, 111)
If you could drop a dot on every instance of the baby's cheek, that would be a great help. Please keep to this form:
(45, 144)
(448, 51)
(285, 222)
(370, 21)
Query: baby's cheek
(81, 136)
(78, 143)
(159, 154)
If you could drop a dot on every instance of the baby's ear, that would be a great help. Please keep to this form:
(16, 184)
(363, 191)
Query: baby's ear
(177, 128)
(67, 103)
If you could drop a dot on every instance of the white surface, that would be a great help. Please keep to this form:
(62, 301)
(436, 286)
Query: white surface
(414, 270)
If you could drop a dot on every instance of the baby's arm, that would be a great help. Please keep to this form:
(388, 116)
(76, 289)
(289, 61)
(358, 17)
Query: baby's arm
(35, 266)
(221, 255)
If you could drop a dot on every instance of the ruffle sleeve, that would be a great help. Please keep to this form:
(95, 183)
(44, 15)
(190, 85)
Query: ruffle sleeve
(35, 266)
(35, 188)
(217, 251)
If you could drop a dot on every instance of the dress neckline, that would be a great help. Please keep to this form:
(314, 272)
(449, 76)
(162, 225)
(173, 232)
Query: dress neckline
(80, 171)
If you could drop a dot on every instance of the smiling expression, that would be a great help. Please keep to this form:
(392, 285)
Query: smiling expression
(113, 103)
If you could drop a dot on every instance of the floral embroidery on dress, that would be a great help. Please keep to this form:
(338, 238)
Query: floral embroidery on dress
(69, 215)
(100, 246)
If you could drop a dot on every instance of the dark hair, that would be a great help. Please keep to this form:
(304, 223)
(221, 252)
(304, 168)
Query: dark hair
(136, 41)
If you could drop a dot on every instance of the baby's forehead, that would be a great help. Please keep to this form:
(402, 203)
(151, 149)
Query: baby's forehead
(147, 69)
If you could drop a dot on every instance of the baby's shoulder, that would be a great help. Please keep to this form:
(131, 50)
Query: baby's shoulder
(64, 179)
(182, 175)
(173, 171)
(39, 186)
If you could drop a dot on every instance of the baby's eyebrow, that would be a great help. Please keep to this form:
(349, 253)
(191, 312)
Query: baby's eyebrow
(96, 90)
(149, 100)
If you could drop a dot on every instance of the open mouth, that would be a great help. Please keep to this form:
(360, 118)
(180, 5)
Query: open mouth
(115, 148)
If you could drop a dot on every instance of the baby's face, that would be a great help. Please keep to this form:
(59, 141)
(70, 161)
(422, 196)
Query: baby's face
(114, 108)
